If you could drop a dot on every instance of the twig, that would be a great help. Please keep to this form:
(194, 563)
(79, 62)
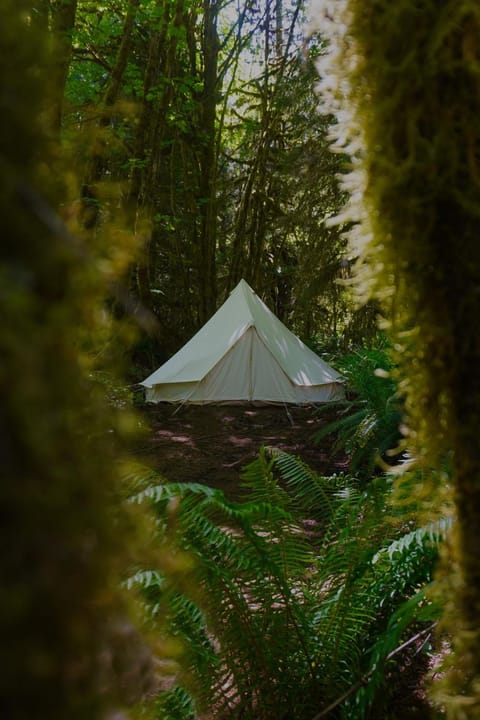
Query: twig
(364, 680)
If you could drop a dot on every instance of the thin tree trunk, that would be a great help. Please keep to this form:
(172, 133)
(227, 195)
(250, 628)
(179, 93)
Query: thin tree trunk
(97, 161)
(63, 14)
(208, 165)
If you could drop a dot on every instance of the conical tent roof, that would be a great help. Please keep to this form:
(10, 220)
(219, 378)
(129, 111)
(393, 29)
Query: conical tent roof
(244, 353)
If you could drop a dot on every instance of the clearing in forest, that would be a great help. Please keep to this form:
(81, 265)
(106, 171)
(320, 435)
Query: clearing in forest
(211, 443)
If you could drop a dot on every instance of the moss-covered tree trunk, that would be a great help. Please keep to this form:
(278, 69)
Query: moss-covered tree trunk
(407, 79)
(67, 649)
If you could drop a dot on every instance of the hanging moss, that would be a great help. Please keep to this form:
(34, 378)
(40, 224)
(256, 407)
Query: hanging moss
(404, 80)
(68, 648)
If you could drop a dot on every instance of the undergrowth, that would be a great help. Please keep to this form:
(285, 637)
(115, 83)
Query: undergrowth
(294, 598)
(368, 421)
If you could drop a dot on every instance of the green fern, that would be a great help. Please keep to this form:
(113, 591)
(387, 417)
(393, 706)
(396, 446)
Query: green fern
(367, 425)
(290, 598)
(175, 704)
(416, 615)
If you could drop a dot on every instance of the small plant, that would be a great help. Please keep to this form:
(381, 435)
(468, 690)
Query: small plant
(368, 422)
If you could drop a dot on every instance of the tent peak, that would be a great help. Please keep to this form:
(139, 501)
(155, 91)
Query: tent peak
(242, 284)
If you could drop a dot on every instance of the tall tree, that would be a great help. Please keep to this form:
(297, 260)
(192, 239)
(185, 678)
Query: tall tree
(174, 169)
(97, 158)
(62, 22)
(208, 160)
(286, 187)
(408, 90)
(213, 129)
(257, 204)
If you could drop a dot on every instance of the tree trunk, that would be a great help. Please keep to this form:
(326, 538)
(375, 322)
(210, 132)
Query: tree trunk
(413, 87)
(97, 160)
(63, 21)
(208, 164)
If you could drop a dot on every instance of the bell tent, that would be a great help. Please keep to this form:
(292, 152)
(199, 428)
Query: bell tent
(244, 353)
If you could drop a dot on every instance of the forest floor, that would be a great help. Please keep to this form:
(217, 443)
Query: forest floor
(210, 444)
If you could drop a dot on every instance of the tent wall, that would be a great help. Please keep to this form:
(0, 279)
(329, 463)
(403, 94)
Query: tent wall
(168, 392)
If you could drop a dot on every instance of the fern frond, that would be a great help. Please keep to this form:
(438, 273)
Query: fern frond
(308, 491)
(431, 533)
(163, 492)
(346, 423)
(146, 580)
(258, 478)
(414, 610)
(175, 704)
(272, 616)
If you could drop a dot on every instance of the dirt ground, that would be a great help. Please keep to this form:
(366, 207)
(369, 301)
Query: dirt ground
(211, 443)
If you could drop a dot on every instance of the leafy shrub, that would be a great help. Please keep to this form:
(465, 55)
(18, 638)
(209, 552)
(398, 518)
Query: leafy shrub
(368, 422)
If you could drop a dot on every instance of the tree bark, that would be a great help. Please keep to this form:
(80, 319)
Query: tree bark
(68, 649)
(410, 76)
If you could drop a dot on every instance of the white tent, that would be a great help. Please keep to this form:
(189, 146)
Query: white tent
(244, 353)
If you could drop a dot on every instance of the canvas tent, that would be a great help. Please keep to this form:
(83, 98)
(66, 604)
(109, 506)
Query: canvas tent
(244, 353)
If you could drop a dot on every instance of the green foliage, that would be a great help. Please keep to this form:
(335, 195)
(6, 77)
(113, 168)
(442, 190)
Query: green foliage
(368, 424)
(292, 593)
(413, 614)
(216, 138)
(283, 185)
